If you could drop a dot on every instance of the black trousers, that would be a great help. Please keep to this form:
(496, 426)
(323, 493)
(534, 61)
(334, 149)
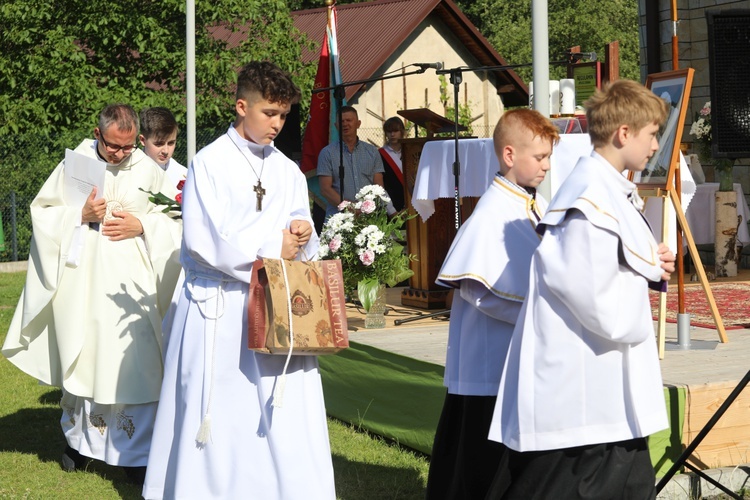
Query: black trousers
(619, 470)
(464, 461)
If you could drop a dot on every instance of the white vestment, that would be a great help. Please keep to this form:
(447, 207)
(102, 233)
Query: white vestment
(255, 450)
(175, 171)
(94, 327)
(582, 366)
(489, 260)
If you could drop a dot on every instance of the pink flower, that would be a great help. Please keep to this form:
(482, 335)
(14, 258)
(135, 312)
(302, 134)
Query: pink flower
(335, 244)
(343, 205)
(368, 207)
(367, 257)
(178, 198)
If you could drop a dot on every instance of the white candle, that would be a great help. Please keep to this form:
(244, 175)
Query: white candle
(554, 98)
(567, 97)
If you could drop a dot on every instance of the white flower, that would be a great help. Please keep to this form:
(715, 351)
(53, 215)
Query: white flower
(369, 237)
(342, 221)
(373, 192)
(323, 251)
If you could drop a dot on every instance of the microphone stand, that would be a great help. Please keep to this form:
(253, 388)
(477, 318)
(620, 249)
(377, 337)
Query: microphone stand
(456, 77)
(339, 92)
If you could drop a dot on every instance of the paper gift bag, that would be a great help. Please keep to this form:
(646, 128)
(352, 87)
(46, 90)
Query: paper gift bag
(306, 295)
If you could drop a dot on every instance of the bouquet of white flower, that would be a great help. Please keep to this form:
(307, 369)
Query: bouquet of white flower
(365, 239)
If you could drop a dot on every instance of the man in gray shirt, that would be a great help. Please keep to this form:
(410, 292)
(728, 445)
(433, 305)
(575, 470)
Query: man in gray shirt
(362, 163)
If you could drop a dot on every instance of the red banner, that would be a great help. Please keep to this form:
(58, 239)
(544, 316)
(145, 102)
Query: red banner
(316, 131)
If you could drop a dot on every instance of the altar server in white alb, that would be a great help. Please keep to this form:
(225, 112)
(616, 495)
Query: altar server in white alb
(100, 279)
(159, 138)
(488, 264)
(220, 432)
(582, 388)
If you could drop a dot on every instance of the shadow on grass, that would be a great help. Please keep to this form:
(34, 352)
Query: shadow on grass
(357, 480)
(36, 431)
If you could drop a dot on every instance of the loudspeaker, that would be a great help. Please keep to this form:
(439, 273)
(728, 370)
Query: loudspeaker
(729, 69)
(289, 140)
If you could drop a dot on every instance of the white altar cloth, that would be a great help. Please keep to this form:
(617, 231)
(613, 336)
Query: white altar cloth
(701, 214)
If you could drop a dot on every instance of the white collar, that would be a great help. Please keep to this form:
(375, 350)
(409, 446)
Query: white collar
(516, 187)
(257, 150)
(627, 188)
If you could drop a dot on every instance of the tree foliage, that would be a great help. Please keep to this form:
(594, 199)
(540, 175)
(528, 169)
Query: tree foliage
(588, 23)
(61, 61)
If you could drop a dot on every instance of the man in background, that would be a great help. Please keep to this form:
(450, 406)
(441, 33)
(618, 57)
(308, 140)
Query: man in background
(362, 164)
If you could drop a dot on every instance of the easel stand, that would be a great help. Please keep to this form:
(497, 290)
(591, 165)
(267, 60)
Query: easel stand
(669, 197)
(682, 460)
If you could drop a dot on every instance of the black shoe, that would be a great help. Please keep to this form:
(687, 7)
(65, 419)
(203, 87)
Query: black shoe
(136, 475)
(72, 460)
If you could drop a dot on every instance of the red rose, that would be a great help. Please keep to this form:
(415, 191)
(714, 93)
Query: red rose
(181, 184)
(178, 198)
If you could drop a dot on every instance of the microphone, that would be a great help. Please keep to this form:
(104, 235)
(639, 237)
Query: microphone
(425, 66)
(577, 56)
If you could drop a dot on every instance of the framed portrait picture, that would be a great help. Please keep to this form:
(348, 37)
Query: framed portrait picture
(674, 87)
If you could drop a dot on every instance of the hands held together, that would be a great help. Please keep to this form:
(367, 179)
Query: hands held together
(296, 236)
(124, 225)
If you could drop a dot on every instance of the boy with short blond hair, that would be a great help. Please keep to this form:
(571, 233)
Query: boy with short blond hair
(488, 265)
(159, 137)
(218, 433)
(582, 385)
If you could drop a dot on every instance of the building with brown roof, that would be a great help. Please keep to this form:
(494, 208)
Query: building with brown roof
(383, 36)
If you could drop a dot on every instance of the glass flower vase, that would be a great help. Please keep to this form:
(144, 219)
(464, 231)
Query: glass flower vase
(375, 316)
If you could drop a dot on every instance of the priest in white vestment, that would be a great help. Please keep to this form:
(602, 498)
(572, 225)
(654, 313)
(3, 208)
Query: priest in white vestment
(581, 387)
(99, 281)
(488, 265)
(221, 430)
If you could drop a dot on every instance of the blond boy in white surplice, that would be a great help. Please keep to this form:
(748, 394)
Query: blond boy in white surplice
(582, 386)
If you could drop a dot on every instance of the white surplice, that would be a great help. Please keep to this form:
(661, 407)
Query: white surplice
(175, 171)
(489, 261)
(582, 366)
(94, 328)
(255, 450)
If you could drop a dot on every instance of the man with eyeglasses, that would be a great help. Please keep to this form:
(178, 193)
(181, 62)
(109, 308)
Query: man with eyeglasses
(99, 281)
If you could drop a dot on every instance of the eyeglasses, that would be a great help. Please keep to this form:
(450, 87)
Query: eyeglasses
(114, 148)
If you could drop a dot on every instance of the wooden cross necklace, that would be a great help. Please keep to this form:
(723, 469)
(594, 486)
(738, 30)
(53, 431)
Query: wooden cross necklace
(258, 188)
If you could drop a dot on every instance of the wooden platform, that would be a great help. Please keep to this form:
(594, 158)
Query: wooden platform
(708, 372)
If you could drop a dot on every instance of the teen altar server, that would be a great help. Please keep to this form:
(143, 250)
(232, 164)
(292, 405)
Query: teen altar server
(220, 433)
(582, 386)
(488, 263)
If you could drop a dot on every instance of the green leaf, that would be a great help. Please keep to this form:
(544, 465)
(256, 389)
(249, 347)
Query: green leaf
(367, 291)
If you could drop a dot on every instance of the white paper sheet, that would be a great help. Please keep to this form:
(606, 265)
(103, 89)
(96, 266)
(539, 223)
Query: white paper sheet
(82, 173)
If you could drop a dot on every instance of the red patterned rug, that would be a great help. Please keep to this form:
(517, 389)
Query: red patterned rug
(732, 299)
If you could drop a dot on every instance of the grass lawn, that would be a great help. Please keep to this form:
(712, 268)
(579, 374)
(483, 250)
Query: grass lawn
(31, 443)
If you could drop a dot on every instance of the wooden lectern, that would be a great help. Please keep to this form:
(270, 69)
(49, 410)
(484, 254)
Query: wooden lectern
(430, 240)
